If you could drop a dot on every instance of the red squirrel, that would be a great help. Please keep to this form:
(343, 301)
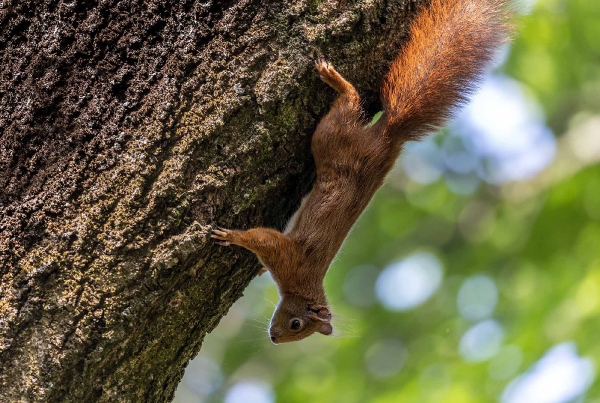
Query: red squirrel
(451, 44)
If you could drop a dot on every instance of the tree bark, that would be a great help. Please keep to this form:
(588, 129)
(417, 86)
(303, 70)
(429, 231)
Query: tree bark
(128, 128)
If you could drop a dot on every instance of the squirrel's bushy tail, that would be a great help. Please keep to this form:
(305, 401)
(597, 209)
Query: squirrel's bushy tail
(451, 44)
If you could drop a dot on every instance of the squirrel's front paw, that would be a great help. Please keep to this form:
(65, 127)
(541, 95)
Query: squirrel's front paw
(223, 236)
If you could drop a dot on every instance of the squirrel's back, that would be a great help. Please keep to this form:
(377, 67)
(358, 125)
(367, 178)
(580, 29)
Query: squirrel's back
(451, 44)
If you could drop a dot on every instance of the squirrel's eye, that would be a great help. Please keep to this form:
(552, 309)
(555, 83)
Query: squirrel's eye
(295, 324)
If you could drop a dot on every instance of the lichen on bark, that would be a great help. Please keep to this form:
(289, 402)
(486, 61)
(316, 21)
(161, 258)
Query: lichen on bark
(128, 129)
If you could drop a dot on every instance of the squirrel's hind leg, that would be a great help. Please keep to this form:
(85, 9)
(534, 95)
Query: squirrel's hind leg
(346, 108)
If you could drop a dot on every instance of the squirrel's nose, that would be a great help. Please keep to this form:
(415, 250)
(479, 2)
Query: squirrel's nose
(273, 339)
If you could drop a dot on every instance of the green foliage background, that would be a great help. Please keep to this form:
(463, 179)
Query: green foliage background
(538, 240)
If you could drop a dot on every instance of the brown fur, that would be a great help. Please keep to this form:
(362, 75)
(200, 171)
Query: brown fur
(451, 43)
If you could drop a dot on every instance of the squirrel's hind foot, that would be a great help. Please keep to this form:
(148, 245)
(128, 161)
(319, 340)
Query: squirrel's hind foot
(330, 76)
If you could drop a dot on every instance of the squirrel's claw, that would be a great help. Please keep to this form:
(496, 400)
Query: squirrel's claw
(322, 65)
(222, 235)
(219, 233)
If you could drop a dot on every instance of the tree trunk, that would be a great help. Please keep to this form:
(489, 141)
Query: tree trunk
(128, 128)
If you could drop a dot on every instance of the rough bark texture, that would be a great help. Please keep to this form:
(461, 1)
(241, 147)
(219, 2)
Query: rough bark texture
(127, 129)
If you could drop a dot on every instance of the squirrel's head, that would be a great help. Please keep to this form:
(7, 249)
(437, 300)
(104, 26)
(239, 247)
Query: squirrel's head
(297, 317)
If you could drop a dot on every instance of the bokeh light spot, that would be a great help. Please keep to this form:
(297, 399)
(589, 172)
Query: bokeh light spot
(456, 157)
(482, 341)
(250, 392)
(464, 184)
(203, 375)
(559, 376)
(477, 297)
(410, 282)
(421, 161)
(505, 128)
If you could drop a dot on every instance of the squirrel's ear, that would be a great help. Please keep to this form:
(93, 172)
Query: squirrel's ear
(325, 328)
(321, 312)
